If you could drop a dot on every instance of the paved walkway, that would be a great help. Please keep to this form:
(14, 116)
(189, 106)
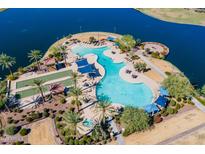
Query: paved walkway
(119, 135)
(178, 136)
(158, 70)
(198, 104)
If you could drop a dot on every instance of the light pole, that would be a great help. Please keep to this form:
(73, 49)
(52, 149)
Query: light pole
(80, 29)
(115, 29)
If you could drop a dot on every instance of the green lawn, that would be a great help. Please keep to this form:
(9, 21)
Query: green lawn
(34, 91)
(45, 78)
(178, 15)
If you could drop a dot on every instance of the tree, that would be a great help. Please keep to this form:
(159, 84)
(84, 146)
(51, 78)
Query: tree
(57, 55)
(39, 85)
(35, 55)
(72, 119)
(138, 42)
(74, 76)
(7, 62)
(134, 120)
(76, 92)
(63, 52)
(178, 86)
(104, 110)
(140, 67)
(203, 90)
(126, 42)
(92, 39)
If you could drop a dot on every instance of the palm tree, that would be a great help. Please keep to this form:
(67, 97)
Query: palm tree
(54, 88)
(63, 52)
(39, 84)
(35, 55)
(72, 119)
(104, 110)
(74, 76)
(7, 62)
(76, 92)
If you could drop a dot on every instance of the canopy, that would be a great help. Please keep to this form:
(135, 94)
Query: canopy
(82, 62)
(60, 66)
(163, 91)
(151, 108)
(94, 74)
(110, 38)
(162, 101)
(86, 69)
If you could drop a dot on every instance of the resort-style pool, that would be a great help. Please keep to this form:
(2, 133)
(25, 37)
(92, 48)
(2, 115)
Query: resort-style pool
(112, 86)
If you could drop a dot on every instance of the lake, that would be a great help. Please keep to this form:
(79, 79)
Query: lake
(22, 30)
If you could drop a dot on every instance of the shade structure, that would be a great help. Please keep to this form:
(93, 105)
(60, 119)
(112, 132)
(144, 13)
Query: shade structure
(94, 74)
(49, 61)
(163, 91)
(110, 38)
(60, 66)
(86, 69)
(161, 101)
(151, 108)
(82, 62)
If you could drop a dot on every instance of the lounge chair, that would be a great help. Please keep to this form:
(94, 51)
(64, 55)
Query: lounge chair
(134, 76)
(128, 71)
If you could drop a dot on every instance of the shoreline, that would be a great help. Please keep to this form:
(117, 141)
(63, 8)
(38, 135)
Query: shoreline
(169, 20)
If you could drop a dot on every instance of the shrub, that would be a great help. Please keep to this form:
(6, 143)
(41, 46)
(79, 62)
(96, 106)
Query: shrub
(168, 73)
(21, 70)
(24, 116)
(60, 111)
(179, 99)
(165, 114)
(156, 55)
(11, 77)
(71, 141)
(177, 106)
(173, 102)
(16, 121)
(58, 125)
(126, 133)
(76, 142)
(63, 100)
(23, 132)
(58, 118)
(12, 130)
(46, 114)
(10, 120)
(29, 119)
(37, 115)
(45, 110)
(52, 116)
(18, 143)
(170, 110)
(1, 132)
(50, 55)
(134, 120)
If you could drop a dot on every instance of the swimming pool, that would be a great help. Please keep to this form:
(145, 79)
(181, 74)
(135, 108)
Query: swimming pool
(112, 86)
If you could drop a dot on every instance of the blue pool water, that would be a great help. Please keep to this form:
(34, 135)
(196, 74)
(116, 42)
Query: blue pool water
(112, 86)
(88, 123)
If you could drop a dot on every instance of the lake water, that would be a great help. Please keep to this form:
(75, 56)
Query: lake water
(22, 30)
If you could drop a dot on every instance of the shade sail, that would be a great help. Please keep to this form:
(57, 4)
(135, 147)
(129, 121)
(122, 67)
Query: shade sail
(163, 91)
(86, 69)
(151, 108)
(82, 62)
(162, 101)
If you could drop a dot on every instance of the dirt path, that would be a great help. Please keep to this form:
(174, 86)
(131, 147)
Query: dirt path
(168, 128)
